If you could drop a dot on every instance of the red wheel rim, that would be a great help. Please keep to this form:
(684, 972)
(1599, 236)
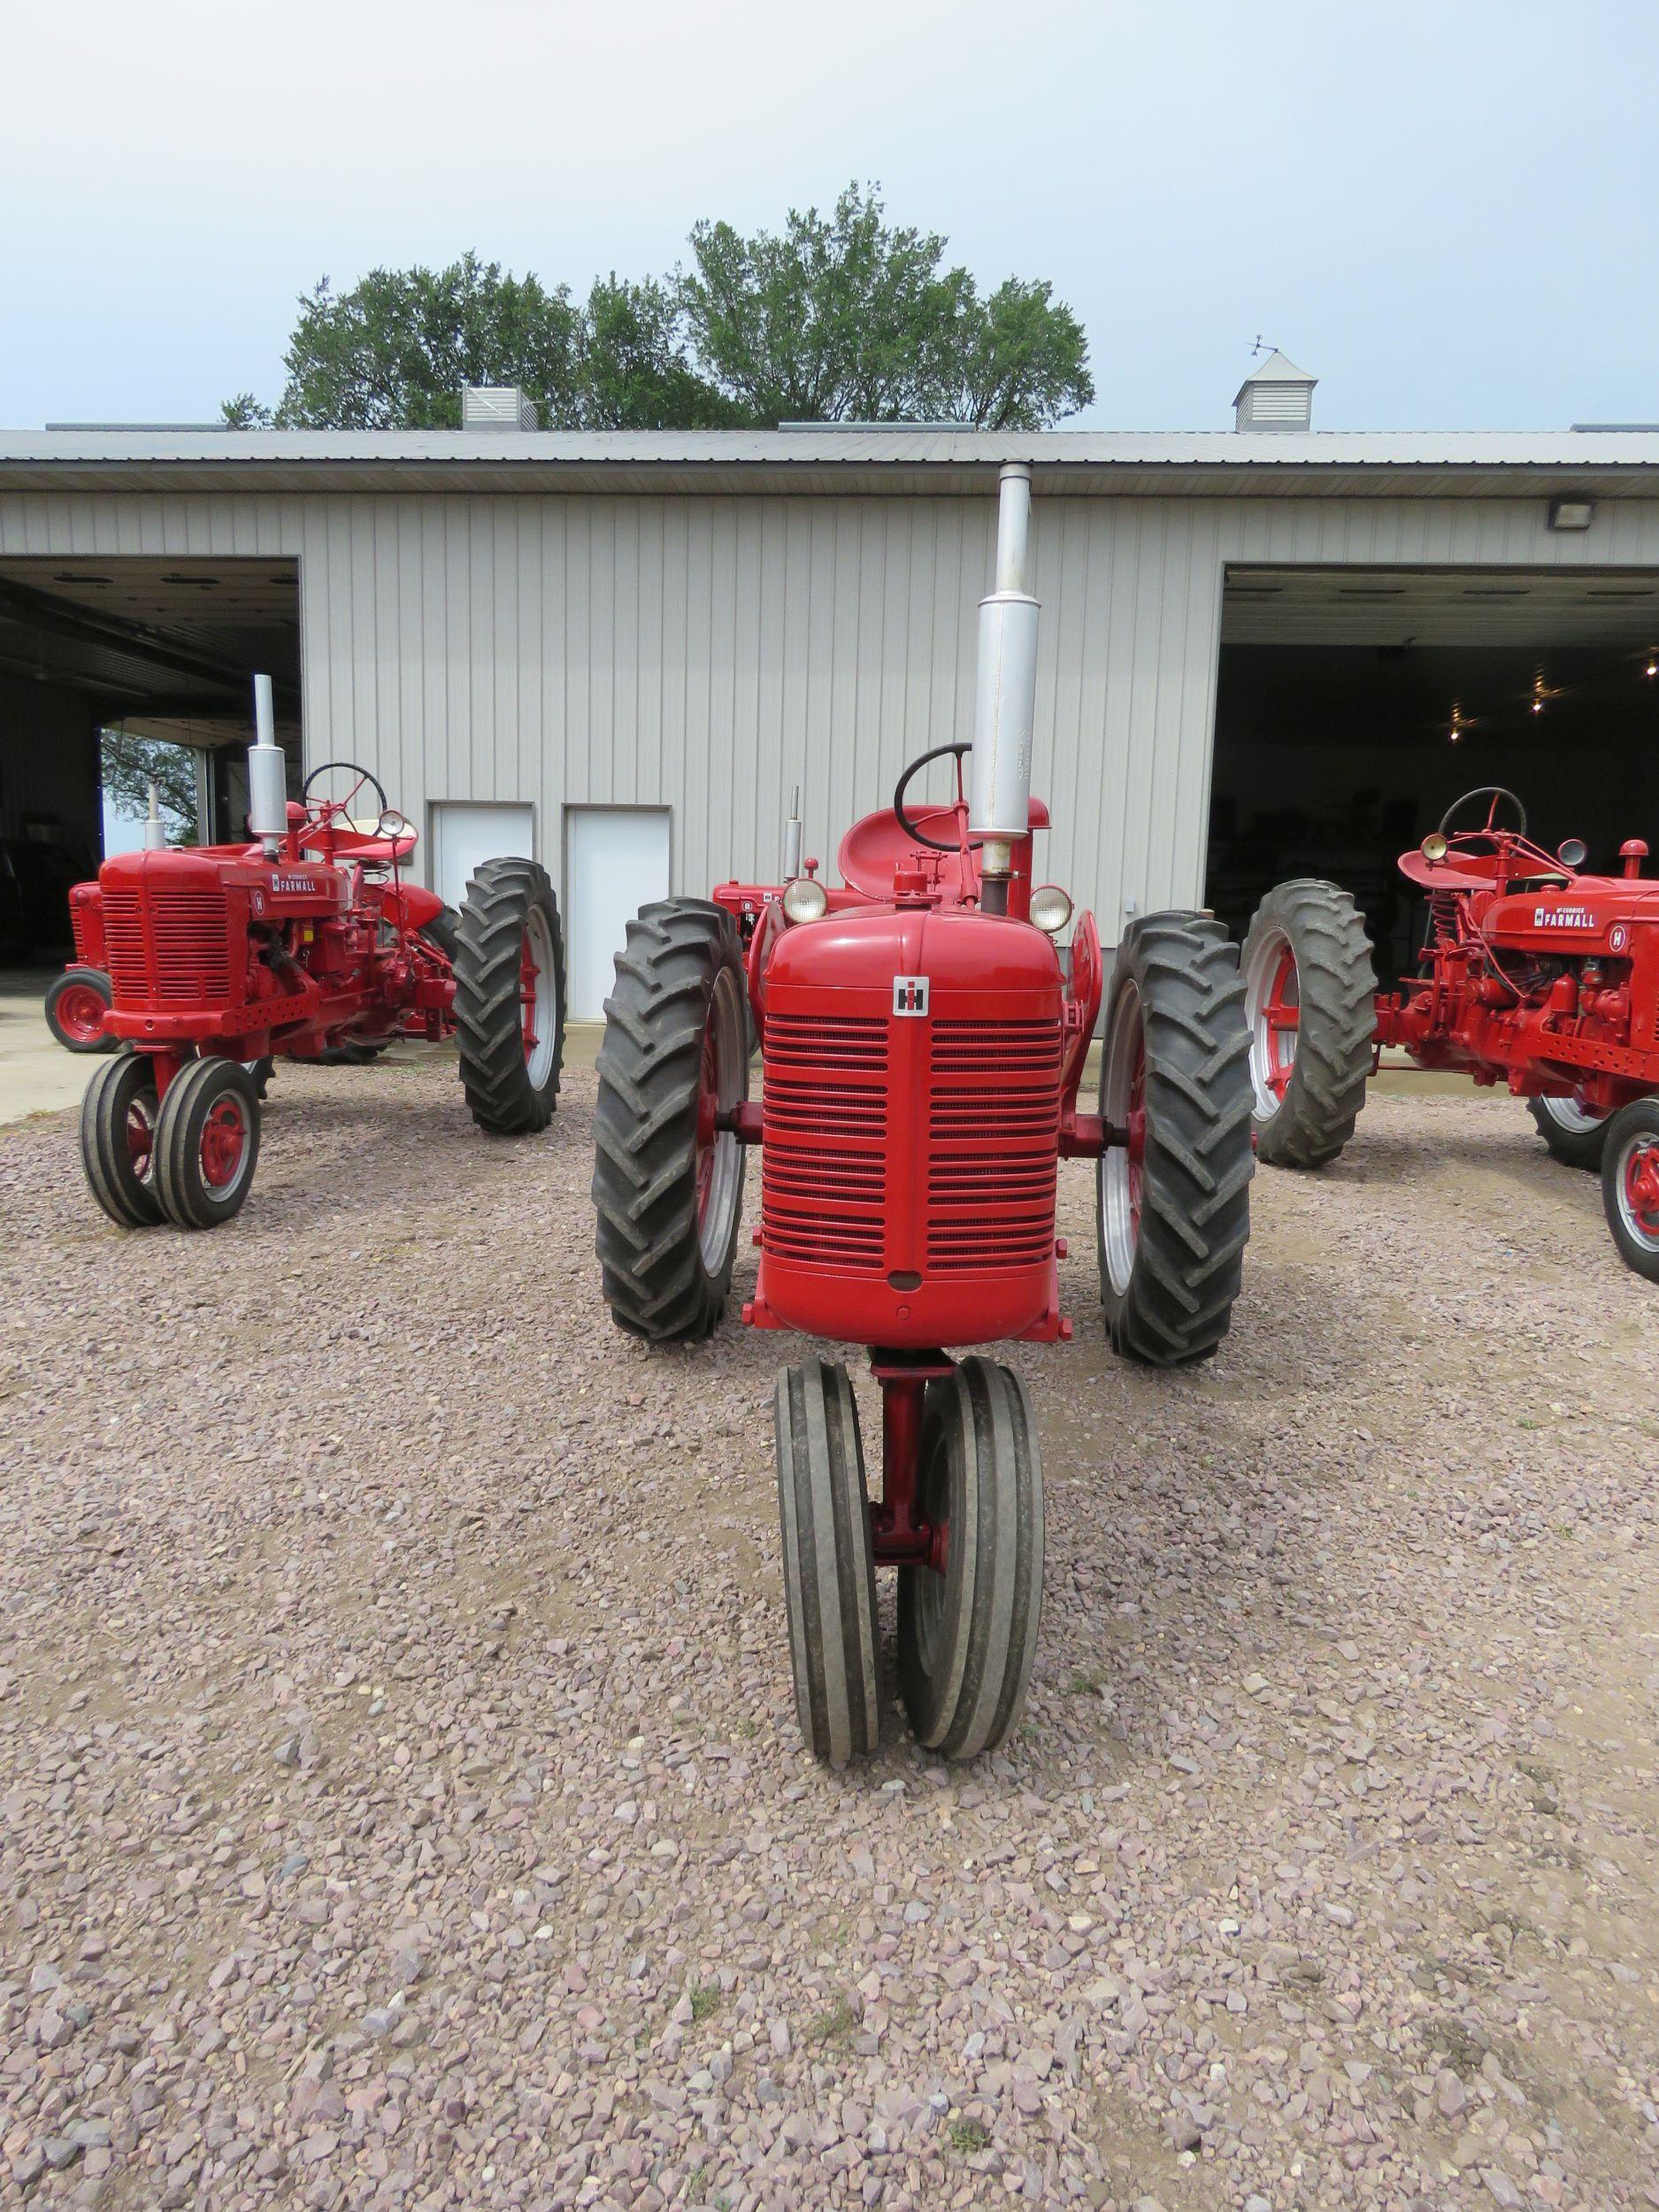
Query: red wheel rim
(1641, 1187)
(708, 1109)
(79, 1010)
(141, 1137)
(527, 974)
(224, 1143)
(1281, 1018)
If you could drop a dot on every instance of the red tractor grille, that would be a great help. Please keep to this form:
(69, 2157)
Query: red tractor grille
(169, 947)
(994, 1129)
(823, 1167)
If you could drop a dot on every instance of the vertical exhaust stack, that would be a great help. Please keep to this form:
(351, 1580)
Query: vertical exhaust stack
(1005, 699)
(792, 839)
(267, 775)
(155, 828)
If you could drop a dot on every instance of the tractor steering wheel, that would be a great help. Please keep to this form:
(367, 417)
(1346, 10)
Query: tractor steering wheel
(333, 807)
(1495, 792)
(936, 844)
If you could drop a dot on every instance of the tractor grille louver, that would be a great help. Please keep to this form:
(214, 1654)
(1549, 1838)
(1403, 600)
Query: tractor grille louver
(992, 1131)
(994, 1135)
(823, 1169)
(167, 947)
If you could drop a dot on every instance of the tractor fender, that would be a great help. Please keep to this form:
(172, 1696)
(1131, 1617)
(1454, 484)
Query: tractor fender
(409, 906)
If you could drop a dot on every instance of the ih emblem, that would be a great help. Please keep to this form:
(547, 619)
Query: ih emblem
(910, 994)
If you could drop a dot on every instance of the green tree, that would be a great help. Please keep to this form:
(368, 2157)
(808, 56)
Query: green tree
(634, 372)
(131, 764)
(837, 317)
(845, 316)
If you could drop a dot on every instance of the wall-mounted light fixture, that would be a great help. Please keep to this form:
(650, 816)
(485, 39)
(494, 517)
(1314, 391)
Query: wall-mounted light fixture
(1572, 514)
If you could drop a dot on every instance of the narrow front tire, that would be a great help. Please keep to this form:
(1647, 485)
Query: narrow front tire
(1575, 1138)
(207, 1143)
(967, 1636)
(118, 1139)
(76, 1003)
(1630, 1185)
(829, 1583)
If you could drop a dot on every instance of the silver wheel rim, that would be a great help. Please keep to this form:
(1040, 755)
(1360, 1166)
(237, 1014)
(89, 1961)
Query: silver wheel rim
(1265, 955)
(1571, 1118)
(1117, 1226)
(726, 1180)
(544, 1008)
(1636, 1228)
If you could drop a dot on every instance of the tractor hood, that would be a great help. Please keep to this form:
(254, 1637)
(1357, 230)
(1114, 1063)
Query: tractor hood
(1586, 914)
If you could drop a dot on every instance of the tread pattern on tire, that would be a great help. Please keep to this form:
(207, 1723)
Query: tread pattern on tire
(1573, 1148)
(104, 1111)
(1188, 1264)
(980, 1416)
(828, 1561)
(488, 1007)
(184, 1199)
(1336, 983)
(656, 1282)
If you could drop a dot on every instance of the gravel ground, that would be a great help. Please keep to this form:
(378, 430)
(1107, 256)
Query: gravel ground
(402, 1802)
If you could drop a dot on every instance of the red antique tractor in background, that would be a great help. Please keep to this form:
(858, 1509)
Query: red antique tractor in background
(923, 1045)
(305, 944)
(1535, 974)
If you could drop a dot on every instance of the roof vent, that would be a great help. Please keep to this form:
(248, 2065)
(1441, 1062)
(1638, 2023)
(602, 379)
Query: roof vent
(498, 407)
(1275, 395)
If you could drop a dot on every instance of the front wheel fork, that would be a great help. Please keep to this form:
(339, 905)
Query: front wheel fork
(899, 1536)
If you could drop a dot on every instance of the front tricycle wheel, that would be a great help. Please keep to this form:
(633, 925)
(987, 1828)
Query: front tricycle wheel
(1630, 1185)
(1172, 1207)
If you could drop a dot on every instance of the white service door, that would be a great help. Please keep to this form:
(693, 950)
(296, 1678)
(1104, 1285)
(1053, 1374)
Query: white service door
(618, 862)
(464, 834)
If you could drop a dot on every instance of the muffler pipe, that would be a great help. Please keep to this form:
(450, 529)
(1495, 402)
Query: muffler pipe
(267, 775)
(1005, 695)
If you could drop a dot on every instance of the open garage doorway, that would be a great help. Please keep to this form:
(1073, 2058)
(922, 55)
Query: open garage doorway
(155, 652)
(1353, 706)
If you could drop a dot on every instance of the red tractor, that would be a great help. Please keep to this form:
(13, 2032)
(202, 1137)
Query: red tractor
(924, 1042)
(1533, 974)
(305, 945)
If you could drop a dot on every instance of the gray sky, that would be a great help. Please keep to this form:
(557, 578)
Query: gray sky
(1446, 212)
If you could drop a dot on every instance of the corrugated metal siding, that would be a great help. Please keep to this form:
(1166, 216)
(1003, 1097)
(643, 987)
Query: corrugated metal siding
(708, 653)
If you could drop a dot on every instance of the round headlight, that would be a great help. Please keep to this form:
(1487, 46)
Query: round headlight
(1434, 846)
(1050, 908)
(1572, 852)
(805, 901)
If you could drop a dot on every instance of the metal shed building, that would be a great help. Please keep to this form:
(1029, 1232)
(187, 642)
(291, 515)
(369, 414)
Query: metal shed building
(626, 649)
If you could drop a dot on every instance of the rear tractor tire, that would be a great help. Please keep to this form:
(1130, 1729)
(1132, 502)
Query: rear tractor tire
(207, 1143)
(1310, 1002)
(76, 1003)
(829, 1582)
(1630, 1185)
(1172, 1205)
(118, 1139)
(510, 997)
(1575, 1138)
(967, 1637)
(668, 1182)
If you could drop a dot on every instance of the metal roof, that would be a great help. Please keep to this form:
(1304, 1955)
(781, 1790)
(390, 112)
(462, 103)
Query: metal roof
(825, 460)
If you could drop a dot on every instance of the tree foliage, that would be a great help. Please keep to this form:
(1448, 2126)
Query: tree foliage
(835, 317)
(843, 317)
(131, 764)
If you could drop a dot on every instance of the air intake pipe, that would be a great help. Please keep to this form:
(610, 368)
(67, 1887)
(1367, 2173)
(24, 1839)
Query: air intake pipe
(1005, 697)
(267, 775)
